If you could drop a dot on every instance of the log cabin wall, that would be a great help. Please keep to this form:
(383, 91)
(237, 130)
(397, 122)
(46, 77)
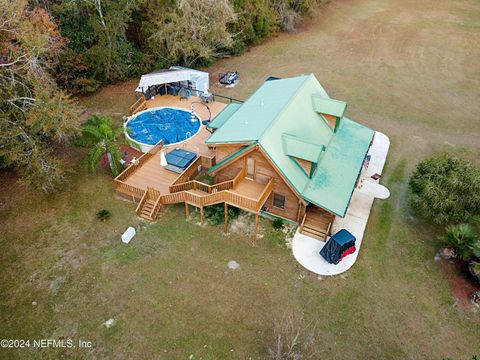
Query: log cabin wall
(263, 172)
(305, 164)
(222, 151)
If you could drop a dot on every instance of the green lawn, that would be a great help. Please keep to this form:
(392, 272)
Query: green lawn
(407, 68)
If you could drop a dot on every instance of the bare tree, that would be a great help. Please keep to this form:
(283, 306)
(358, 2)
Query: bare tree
(292, 340)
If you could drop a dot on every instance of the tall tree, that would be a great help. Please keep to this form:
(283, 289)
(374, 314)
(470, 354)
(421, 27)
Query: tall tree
(191, 31)
(34, 114)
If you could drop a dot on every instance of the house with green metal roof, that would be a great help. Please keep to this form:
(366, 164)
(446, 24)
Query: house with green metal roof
(291, 131)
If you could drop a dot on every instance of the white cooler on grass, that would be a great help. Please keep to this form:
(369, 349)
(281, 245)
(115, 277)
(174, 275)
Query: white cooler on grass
(128, 235)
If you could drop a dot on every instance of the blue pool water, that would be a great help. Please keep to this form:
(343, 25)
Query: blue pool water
(167, 124)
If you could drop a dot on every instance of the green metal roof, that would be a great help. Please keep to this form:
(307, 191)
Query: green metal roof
(223, 116)
(260, 110)
(297, 147)
(230, 157)
(328, 106)
(333, 182)
(281, 117)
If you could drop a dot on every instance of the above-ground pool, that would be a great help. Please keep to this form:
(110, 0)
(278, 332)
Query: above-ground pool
(172, 125)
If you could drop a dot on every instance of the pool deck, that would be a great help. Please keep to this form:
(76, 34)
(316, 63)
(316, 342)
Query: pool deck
(151, 174)
(197, 142)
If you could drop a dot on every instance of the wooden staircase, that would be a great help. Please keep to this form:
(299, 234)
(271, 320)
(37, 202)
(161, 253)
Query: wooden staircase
(139, 105)
(149, 205)
(316, 223)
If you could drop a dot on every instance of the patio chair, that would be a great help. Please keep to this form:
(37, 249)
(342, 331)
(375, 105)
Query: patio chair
(184, 94)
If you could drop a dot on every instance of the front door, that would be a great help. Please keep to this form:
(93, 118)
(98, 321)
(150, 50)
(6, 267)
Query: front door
(250, 167)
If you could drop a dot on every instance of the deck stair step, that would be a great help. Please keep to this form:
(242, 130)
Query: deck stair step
(317, 223)
(314, 233)
(147, 208)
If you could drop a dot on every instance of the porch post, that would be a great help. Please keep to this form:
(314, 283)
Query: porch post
(201, 215)
(187, 213)
(225, 227)
(255, 230)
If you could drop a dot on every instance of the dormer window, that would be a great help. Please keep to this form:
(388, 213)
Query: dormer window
(305, 154)
(307, 166)
(331, 120)
(330, 110)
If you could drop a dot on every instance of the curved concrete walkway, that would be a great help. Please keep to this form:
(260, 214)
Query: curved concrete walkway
(306, 249)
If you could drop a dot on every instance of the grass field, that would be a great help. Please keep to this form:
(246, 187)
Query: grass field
(408, 68)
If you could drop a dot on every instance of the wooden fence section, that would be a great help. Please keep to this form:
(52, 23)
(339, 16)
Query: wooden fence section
(240, 175)
(240, 201)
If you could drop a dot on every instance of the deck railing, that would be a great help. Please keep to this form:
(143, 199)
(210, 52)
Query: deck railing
(214, 194)
(129, 190)
(119, 182)
(240, 201)
(189, 172)
(142, 202)
(173, 198)
(303, 222)
(197, 185)
(140, 161)
(240, 175)
(265, 193)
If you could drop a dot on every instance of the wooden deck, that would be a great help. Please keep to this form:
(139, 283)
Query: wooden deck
(249, 188)
(151, 174)
(153, 187)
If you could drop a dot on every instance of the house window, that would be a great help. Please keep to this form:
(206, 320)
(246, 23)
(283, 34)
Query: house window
(278, 201)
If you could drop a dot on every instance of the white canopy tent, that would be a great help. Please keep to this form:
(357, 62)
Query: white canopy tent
(176, 74)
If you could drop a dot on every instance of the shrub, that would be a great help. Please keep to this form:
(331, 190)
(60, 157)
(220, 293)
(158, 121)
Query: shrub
(446, 189)
(277, 223)
(215, 214)
(104, 215)
(463, 238)
(474, 268)
(205, 178)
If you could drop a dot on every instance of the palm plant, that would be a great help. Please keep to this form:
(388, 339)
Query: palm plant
(101, 137)
(104, 215)
(463, 238)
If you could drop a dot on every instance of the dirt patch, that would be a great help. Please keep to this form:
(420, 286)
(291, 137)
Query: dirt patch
(55, 284)
(461, 282)
(71, 259)
(244, 225)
